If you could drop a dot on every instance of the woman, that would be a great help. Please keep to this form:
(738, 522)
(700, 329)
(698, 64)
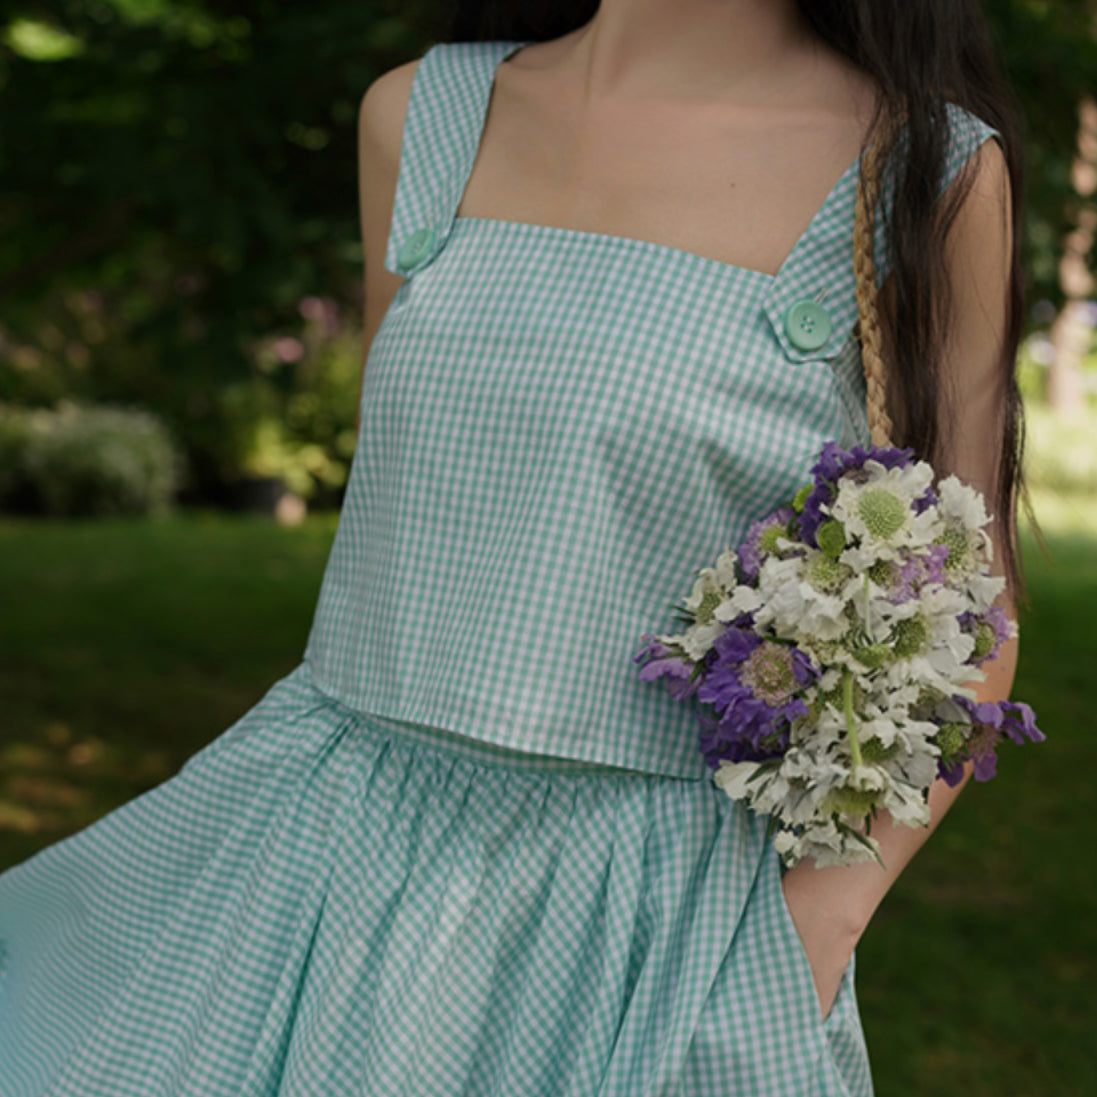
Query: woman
(461, 849)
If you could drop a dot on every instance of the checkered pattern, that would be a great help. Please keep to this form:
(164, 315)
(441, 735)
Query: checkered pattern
(558, 428)
(323, 903)
(419, 865)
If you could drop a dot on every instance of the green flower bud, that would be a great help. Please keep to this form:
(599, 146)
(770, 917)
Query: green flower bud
(955, 539)
(872, 655)
(709, 601)
(799, 500)
(911, 637)
(882, 573)
(825, 573)
(768, 541)
(850, 801)
(985, 638)
(951, 738)
(831, 537)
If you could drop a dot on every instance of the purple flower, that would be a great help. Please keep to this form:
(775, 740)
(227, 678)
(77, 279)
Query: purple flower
(1019, 722)
(753, 684)
(660, 661)
(990, 628)
(990, 720)
(927, 499)
(918, 571)
(833, 463)
(952, 773)
(758, 542)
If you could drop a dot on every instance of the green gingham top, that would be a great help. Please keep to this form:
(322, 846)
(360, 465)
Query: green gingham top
(558, 427)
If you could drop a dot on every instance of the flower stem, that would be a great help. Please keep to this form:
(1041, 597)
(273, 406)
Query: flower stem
(851, 724)
(868, 628)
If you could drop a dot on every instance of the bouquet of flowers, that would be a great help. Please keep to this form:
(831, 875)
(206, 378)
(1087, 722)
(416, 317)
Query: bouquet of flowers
(835, 644)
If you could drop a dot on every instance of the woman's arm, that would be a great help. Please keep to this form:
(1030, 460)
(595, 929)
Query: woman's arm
(381, 116)
(831, 907)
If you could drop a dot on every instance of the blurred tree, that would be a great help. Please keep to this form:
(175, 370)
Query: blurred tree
(179, 175)
(1072, 331)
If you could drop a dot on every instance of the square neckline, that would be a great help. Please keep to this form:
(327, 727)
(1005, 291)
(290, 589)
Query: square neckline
(617, 240)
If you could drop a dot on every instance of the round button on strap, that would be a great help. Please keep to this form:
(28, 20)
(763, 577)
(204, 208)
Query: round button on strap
(807, 324)
(415, 248)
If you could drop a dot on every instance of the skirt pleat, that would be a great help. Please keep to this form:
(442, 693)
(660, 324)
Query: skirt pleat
(325, 902)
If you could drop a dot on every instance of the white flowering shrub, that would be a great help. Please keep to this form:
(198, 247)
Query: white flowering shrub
(96, 460)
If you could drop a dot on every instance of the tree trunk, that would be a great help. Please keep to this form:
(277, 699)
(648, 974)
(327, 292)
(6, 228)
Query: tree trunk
(1071, 331)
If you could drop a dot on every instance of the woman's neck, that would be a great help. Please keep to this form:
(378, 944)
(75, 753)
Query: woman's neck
(688, 49)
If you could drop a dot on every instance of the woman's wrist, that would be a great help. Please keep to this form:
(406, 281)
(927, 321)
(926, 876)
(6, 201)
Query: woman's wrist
(841, 897)
(828, 923)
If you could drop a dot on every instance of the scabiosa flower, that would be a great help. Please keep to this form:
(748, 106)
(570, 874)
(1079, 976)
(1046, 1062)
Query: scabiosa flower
(990, 630)
(910, 576)
(990, 721)
(661, 660)
(754, 685)
(760, 540)
(879, 511)
(832, 464)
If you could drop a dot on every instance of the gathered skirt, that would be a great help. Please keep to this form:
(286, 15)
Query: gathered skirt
(325, 903)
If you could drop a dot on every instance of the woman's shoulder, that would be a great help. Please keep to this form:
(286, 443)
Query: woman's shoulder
(383, 108)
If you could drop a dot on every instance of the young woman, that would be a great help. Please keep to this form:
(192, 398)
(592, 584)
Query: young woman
(461, 849)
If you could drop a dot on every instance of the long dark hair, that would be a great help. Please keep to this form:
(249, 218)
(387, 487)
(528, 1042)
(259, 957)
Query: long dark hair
(920, 53)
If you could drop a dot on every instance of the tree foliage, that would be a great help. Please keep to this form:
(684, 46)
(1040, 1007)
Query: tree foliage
(179, 175)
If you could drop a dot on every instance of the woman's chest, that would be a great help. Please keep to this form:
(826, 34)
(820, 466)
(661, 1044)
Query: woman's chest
(737, 187)
(522, 347)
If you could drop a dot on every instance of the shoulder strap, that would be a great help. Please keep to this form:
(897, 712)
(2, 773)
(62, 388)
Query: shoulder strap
(445, 117)
(821, 267)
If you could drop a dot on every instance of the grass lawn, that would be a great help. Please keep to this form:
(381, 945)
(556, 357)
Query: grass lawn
(128, 645)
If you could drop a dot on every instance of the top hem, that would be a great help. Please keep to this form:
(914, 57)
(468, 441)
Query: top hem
(471, 730)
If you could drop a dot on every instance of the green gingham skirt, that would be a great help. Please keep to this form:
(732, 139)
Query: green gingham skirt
(323, 902)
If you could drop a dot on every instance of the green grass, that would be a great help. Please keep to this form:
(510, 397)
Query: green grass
(128, 645)
(976, 976)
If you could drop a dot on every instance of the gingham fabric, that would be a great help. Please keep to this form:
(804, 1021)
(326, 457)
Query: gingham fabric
(322, 903)
(420, 866)
(558, 428)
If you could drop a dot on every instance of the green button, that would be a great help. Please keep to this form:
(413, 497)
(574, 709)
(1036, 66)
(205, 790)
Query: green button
(807, 324)
(415, 248)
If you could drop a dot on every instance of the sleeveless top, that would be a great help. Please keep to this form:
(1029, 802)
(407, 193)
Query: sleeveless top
(558, 428)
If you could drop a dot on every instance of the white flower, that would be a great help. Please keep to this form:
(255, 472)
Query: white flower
(725, 570)
(705, 595)
(879, 512)
(742, 599)
(983, 589)
(734, 778)
(931, 648)
(793, 607)
(962, 502)
(697, 639)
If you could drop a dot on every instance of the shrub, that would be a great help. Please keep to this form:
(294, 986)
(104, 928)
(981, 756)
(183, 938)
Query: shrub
(93, 460)
(14, 430)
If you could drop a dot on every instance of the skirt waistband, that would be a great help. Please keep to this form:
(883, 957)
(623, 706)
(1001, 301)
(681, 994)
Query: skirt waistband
(492, 754)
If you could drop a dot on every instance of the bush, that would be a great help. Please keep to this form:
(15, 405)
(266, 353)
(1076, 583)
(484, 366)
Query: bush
(14, 430)
(80, 460)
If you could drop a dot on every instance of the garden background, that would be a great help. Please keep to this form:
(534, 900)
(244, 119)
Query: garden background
(180, 352)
